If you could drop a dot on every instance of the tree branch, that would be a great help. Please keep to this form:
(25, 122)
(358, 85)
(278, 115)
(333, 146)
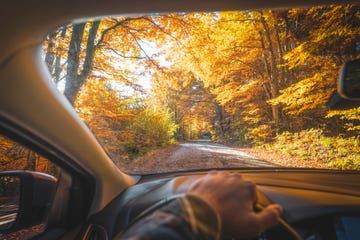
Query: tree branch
(116, 25)
(123, 56)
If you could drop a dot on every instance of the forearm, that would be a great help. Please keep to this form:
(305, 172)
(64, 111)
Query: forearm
(188, 217)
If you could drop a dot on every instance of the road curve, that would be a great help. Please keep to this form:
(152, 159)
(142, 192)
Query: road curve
(196, 155)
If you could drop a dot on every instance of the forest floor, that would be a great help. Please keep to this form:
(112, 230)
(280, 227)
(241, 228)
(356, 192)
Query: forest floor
(280, 159)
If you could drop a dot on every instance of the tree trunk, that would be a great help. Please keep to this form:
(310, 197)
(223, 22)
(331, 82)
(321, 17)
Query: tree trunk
(58, 69)
(75, 81)
(73, 85)
(274, 81)
(30, 161)
(50, 53)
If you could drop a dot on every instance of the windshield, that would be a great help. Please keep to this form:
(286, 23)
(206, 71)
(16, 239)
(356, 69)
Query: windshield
(238, 89)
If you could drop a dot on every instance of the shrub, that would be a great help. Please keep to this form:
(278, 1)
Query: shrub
(311, 145)
(152, 129)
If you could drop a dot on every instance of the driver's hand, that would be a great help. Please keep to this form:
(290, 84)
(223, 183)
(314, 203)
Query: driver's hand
(233, 198)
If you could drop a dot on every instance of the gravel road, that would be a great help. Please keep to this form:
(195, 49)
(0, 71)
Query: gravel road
(195, 155)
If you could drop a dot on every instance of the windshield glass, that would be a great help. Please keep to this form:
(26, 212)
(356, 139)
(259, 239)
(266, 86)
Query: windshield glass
(238, 89)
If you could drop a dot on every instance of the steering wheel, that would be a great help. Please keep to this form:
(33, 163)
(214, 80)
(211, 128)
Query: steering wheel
(277, 232)
(281, 230)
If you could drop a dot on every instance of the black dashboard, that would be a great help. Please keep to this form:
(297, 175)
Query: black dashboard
(317, 204)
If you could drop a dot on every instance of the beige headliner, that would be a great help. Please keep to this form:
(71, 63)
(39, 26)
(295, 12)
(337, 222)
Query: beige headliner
(28, 97)
(26, 22)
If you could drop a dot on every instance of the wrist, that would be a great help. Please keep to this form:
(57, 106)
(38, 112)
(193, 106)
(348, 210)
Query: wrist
(203, 211)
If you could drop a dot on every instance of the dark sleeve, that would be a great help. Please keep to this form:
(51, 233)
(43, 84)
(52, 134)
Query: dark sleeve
(187, 217)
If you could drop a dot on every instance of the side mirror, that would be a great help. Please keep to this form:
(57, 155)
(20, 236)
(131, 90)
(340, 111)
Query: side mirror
(349, 82)
(348, 88)
(25, 199)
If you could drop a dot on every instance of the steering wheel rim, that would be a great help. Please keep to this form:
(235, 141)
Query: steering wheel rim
(282, 224)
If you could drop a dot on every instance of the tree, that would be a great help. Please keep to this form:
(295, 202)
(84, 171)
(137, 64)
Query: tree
(74, 79)
(243, 76)
(317, 58)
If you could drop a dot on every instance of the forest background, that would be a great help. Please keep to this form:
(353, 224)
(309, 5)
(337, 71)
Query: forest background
(258, 79)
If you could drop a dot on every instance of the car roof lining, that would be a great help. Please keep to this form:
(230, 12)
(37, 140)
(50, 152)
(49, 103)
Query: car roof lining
(22, 27)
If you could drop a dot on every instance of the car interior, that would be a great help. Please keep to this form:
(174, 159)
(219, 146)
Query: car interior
(91, 198)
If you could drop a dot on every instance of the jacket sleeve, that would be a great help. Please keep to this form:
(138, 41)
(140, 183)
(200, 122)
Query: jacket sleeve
(187, 217)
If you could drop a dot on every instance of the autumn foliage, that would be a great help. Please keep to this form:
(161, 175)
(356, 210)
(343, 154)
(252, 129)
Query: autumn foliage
(241, 77)
(250, 78)
(14, 156)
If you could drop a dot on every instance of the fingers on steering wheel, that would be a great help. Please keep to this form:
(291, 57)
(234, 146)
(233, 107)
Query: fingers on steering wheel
(269, 216)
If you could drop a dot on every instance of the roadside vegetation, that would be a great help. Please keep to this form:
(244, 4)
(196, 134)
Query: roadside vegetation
(312, 149)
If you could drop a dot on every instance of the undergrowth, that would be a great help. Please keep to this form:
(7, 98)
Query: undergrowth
(315, 148)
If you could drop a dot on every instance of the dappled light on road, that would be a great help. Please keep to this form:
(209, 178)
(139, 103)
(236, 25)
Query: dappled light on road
(196, 155)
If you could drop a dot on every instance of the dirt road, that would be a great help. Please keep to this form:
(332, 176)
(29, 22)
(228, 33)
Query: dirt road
(195, 155)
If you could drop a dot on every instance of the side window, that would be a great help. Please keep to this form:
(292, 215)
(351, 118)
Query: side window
(14, 156)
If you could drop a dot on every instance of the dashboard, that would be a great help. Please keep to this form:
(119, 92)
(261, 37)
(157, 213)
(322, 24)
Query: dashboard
(317, 204)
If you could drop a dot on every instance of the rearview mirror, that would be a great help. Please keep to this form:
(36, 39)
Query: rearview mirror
(349, 82)
(25, 199)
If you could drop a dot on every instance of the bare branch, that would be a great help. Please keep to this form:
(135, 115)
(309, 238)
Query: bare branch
(244, 46)
(161, 29)
(141, 49)
(123, 56)
(113, 27)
